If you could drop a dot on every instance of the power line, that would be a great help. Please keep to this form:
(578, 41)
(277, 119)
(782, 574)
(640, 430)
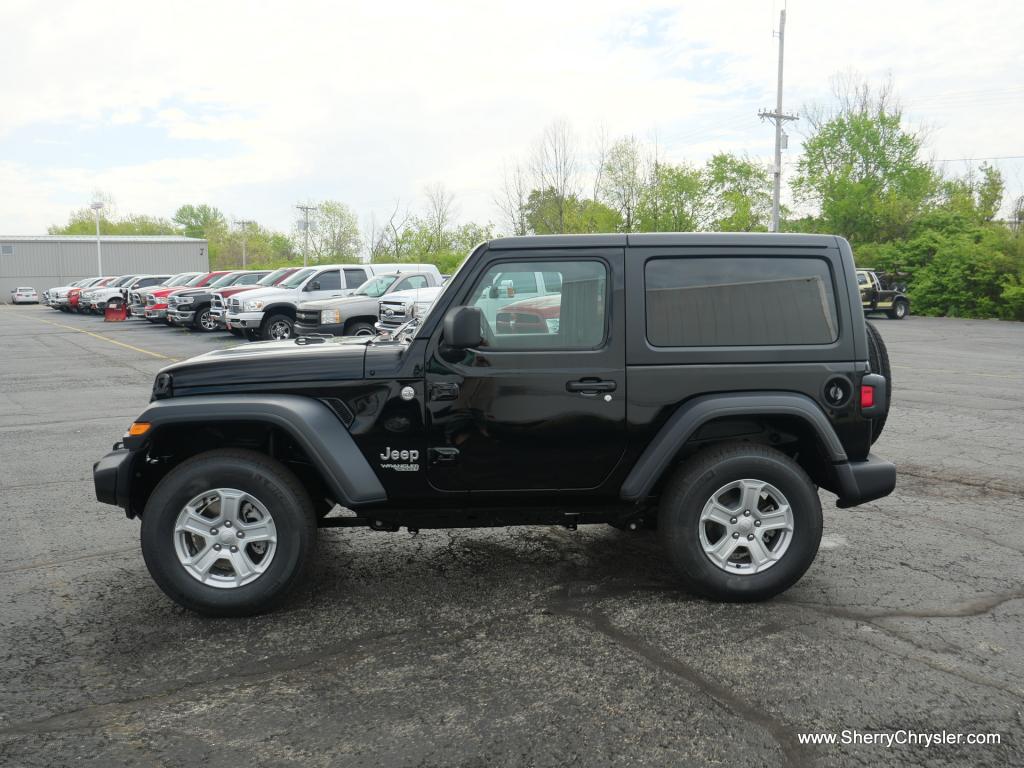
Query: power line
(975, 159)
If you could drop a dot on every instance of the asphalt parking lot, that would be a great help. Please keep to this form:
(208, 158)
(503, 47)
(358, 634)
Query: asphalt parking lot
(524, 647)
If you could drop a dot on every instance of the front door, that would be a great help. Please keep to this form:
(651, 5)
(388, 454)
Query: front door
(541, 403)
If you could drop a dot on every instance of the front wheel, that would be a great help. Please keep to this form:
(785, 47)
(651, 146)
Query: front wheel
(741, 522)
(228, 533)
(276, 328)
(359, 328)
(204, 321)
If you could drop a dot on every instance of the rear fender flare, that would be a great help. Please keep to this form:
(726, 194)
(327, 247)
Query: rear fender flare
(690, 416)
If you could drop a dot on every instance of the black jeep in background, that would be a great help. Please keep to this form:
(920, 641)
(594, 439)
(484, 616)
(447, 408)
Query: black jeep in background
(705, 384)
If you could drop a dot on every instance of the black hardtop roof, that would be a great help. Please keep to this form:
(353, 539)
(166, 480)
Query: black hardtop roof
(655, 239)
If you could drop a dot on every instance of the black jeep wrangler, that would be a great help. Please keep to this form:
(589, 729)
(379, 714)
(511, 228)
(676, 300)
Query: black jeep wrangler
(703, 384)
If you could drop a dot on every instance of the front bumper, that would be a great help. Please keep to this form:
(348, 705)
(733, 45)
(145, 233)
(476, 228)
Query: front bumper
(308, 329)
(219, 318)
(111, 477)
(180, 316)
(244, 320)
(863, 481)
(156, 314)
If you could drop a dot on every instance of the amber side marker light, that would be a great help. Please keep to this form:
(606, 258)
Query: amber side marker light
(142, 427)
(867, 397)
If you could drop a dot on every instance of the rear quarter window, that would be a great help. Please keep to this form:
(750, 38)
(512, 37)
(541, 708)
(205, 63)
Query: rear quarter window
(739, 301)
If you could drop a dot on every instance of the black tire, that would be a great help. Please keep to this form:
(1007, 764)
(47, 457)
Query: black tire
(236, 332)
(359, 328)
(696, 481)
(878, 357)
(900, 309)
(270, 326)
(203, 321)
(264, 478)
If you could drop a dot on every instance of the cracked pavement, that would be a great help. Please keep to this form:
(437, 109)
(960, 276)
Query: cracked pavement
(524, 647)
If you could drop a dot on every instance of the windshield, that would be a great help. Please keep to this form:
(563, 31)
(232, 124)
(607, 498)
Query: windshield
(223, 280)
(272, 277)
(298, 278)
(122, 281)
(376, 286)
(181, 279)
(196, 280)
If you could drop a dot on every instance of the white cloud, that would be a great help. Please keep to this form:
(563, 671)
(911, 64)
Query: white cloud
(368, 102)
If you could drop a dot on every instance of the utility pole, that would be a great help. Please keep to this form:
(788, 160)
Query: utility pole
(778, 118)
(305, 228)
(97, 206)
(242, 225)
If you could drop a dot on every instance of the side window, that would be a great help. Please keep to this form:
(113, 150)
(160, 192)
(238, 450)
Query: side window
(862, 279)
(574, 317)
(325, 281)
(248, 279)
(354, 278)
(416, 281)
(739, 301)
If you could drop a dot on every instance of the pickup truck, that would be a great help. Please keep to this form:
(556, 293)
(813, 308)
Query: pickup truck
(156, 300)
(98, 298)
(398, 308)
(874, 297)
(220, 296)
(269, 314)
(137, 296)
(193, 306)
(355, 314)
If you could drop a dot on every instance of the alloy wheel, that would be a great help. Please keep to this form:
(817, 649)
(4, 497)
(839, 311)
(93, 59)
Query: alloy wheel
(746, 526)
(225, 538)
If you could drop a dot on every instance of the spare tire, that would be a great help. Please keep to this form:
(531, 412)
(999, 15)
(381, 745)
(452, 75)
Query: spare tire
(878, 357)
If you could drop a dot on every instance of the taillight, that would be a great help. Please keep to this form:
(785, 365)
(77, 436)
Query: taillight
(867, 396)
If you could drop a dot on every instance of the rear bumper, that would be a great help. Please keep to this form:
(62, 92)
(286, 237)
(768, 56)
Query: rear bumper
(863, 481)
(111, 477)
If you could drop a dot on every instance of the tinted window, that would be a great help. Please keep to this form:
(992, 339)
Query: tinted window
(354, 278)
(739, 301)
(328, 281)
(862, 279)
(249, 279)
(573, 318)
(416, 281)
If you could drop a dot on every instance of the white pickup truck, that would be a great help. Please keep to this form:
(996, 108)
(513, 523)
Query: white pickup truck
(269, 313)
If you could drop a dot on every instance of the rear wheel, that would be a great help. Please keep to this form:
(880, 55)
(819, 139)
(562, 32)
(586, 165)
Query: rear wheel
(228, 533)
(900, 309)
(277, 328)
(741, 522)
(878, 357)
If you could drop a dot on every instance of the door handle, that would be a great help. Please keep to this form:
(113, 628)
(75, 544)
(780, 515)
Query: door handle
(590, 386)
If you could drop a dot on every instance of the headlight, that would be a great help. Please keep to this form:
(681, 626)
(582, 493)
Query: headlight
(330, 317)
(186, 299)
(254, 306)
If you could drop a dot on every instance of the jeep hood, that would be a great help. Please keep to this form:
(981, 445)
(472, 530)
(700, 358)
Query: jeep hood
(270, 362)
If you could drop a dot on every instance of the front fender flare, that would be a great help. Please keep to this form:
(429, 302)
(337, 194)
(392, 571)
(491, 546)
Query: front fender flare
(308, 421)
(693, 414)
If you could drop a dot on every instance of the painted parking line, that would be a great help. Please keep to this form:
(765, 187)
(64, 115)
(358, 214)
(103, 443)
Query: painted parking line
(105, 338)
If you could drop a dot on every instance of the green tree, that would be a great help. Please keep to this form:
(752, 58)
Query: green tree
(739, 191)
(621, 183)
(863, 171)
(334, 235)
(202, 221)
(675, 200)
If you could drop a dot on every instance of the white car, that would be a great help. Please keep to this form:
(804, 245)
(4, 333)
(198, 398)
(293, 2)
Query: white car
(24, 296)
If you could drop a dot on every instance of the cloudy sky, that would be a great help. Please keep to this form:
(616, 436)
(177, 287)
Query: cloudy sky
(256, 106)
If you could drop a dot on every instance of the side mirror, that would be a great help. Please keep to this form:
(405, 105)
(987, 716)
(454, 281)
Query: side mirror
(462, 328)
